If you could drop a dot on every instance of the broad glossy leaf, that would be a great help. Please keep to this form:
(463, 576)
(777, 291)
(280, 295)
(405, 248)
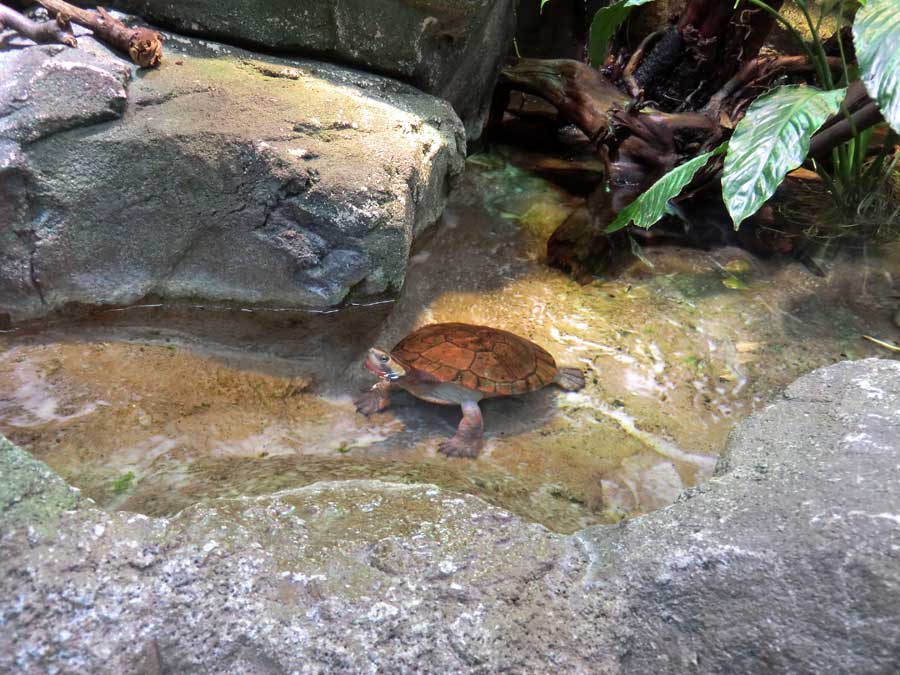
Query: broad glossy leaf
(771, 140)
(652, 204)
(606, 21)
(876, 37)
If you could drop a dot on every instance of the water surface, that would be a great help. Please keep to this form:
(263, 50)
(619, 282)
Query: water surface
(154, 408)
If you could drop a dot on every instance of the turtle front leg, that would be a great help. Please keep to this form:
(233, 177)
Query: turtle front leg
(469, 437)
(376, 399)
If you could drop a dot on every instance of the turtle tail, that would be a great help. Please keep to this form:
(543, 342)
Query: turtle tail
(570, 379)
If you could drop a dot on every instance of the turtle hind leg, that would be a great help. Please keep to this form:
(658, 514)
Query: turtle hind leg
(375, 400)
(570, 379)
(469, 438)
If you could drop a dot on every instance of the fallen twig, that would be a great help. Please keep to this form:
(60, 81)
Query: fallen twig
(42, 32)
(142, 45)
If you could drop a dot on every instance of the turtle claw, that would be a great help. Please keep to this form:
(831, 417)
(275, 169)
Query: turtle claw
(373, 401)
(461, 447)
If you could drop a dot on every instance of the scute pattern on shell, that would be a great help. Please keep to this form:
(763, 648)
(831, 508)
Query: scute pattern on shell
(487, 359)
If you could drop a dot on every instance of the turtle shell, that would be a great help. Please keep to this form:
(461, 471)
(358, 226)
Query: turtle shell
(484, 359)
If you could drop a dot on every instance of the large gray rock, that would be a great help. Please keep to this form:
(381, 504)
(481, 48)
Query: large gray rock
(43, 90)
(334, 577)
(51, 88)
(787, 561)
(449, 48)
(228, 177)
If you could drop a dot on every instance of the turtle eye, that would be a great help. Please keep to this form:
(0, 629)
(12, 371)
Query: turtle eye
(384, 358)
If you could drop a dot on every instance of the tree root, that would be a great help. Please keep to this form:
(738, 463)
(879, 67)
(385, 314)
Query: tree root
(634, 63)
(845, 129)
(757, 73)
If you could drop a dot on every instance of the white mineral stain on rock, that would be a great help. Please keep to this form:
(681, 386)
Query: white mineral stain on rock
(382, 611)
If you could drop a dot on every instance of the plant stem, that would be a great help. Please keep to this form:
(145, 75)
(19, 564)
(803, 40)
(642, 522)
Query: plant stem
(841, 156)
(841, 46)
(793, 31)
(824, 72)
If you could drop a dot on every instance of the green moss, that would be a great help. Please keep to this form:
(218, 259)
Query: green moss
(694, 362)
(735, 283)
(30, 492)
(123, 483)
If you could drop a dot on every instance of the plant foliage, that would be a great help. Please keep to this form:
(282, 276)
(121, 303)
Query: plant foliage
(653, 203)
(605, 24)
(773, 137)
(876, 36)
(771, 140)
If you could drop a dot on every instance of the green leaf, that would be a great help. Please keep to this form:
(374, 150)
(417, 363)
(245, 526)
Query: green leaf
(876, 36)
(543, 2)
(771, 140)
(605, 24)
(652, 204)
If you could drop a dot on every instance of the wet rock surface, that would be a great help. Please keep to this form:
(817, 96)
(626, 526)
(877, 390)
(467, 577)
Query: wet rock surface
(450, 48)
(787, 560)
(226, 176)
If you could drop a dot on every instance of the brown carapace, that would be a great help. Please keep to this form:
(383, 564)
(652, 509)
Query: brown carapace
(460, 364)
(489, 360)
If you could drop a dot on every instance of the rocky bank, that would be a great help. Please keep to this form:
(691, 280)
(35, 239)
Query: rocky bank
(788, 560)
(448, 48)
(223, 176)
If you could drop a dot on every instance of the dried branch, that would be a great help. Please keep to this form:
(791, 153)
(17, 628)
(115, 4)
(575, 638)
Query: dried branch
(42, 32)
(580, 93)
(756, 72)
(841, 132)
(635, 61)
(142, 45)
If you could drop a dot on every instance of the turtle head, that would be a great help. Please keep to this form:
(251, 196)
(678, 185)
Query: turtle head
(384, 365)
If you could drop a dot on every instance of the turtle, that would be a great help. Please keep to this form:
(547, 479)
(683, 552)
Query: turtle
(461, 364)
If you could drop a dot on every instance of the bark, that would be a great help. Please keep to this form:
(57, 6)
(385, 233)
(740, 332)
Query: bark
(43, 32)
(704, 50)
(637, 147)
(755, 76)
(580, 93)
(843, 130)
(143, 46)
(839, 129)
